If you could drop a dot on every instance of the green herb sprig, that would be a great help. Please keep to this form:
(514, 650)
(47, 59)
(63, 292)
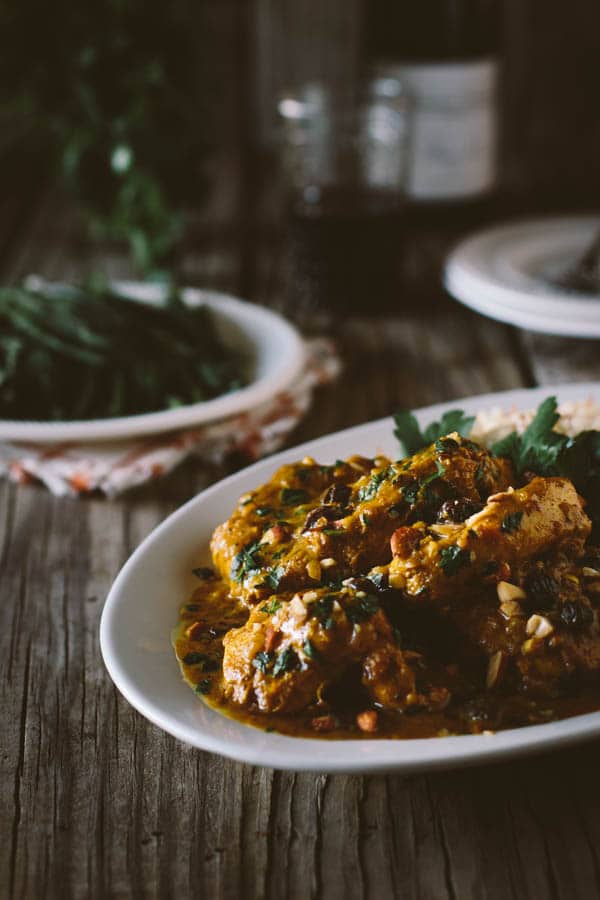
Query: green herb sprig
(412, 439)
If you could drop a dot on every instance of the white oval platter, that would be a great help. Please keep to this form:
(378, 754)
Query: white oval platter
(143, 604)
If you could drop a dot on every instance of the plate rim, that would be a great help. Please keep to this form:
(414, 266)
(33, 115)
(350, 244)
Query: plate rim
(385, 755)
(190, 415)
(472, 283)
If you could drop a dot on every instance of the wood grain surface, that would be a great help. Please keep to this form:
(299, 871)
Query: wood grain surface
(95, 802)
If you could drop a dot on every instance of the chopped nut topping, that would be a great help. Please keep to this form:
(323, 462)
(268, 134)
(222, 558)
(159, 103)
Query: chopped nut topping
(323, 723)
(511, 608)
(507, 591)
(539, 626)
(297, 607)
(495, 670)
(328, 562)
(367, 720)
(588, 572)
(313, 569)
(309, 596)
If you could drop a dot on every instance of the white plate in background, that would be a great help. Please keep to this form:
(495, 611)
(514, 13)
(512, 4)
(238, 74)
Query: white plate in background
(143, 604)
(506, 272)
(272, 345)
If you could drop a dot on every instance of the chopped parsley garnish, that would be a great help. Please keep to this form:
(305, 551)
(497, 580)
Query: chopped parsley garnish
(546, 452)
(362, 608)
(453, 558)
(203, 687)
(511, 522)
(439, 471)
(332, 531)
(311, 651)
(263, 511)
(446, 445)
(322, 610)
(412, 439)
(395, 511)
(200, 659)
(246, 562)
(274, 577)
(379, 579)
(271, 606)
(293, 496)
(285, 662)
(410, 492)
(204, 573)
(369, 490)
(262, 661)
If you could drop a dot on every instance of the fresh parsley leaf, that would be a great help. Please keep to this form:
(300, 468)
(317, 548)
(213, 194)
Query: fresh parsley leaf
(439, 471)
(511, 522)
(369, 490)
(362, 608)
(246, 562)
(453, 558)
(203, 687)
(539, 447)
(274, 577)
(408, 433)
(311, 651)
(285, 662)
(271, 606)
(293, 496)
(453, 420)
(262, 661)
(410, 492)
(322, 610)
(412, 439)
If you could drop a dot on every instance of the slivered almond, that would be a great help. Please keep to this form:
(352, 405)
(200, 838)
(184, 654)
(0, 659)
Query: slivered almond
(495, 669)
(507, 591)
(313, 569)
(588, 572)
(309, 596)
(538, 626)
(511, 608)
(328, 562)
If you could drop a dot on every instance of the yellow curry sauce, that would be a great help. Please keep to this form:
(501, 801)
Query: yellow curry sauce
(412, 599)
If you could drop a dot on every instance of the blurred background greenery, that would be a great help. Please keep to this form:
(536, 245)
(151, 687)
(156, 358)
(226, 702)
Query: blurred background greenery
(112, 96)
(139, 108)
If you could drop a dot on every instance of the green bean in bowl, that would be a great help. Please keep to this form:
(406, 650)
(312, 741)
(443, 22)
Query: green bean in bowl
(69, 353)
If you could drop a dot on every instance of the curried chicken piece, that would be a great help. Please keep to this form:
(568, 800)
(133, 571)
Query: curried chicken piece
(538, 633)
(438, 563)
(289, 538)
(271, 514)
(291, 650)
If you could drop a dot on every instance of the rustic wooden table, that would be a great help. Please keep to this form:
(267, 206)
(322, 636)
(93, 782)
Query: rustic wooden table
(97, 802)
